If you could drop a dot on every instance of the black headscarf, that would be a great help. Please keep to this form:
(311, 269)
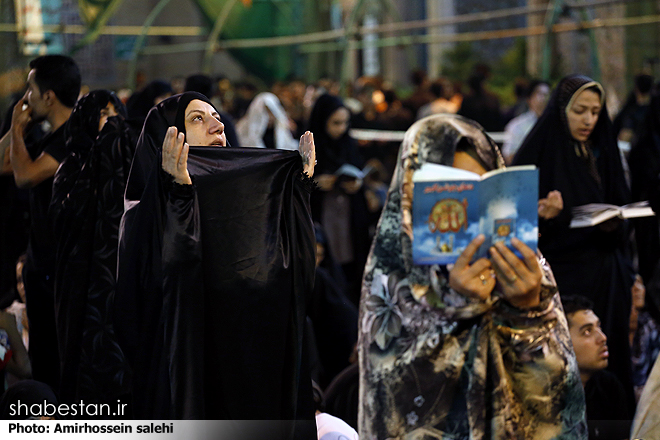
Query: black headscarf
(204, 84)
(331, 153)
(212, 280)
(82, 128)
(168, 113)
(86, 207)
(593, 174)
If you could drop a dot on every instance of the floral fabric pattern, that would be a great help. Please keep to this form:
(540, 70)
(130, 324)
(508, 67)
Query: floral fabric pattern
(437, 365)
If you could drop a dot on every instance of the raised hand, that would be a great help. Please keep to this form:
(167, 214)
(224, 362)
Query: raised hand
(308, 152)
(175, 156)
(520, 280)
(21, 117)
(551, 206)
(472, 280)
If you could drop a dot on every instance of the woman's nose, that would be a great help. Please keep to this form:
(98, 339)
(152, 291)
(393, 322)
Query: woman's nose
(591, 119)
(217, 127)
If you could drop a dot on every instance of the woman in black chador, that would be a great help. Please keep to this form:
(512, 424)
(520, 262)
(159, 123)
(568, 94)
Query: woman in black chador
(574, 146)
(86, 207)
(340, 205)
(216, 259)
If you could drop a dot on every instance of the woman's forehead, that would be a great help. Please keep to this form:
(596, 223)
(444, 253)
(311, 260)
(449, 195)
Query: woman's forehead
(199, 105)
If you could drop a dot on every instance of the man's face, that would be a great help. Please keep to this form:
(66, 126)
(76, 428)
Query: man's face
(35, 99)
(539, 99)
(589, 341)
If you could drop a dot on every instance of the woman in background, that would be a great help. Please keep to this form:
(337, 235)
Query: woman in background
(340, 205)
(575, 149)
(86, 207)
(266, 125)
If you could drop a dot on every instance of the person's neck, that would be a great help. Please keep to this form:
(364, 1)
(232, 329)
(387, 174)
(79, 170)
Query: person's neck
(58, 117)
(585, 376)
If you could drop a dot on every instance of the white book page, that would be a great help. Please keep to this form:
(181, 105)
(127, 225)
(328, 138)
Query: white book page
(507, 169)
(431, 172)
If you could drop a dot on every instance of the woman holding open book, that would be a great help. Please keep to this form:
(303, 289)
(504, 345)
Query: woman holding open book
(478, 349)
(340, 206)
(575, 148)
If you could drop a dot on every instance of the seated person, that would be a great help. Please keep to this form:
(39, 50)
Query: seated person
(608, 412)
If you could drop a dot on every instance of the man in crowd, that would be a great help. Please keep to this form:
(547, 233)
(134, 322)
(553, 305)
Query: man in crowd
(53, 85)
(608, 412)
(515, 131)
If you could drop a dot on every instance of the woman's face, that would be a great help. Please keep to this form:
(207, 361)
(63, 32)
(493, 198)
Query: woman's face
(464, 161)
(107, 112)
(583, 115)
(203, 126)
(337, 123)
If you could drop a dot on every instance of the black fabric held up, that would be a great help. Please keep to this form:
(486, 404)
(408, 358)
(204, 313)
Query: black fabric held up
(212, 281)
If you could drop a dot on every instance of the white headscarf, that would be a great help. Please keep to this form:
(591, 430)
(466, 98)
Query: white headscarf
(251, 127)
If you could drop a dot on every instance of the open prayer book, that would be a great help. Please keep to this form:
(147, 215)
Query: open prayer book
(596, 213)
(452, 206)
(349, 171)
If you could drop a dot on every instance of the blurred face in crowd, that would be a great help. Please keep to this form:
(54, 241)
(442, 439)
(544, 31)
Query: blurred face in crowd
(539, 99)
(203, 126)
(464, 161)
(337, 123)
(589, 342)
(583, 114)
(107, 112)
(35, 99)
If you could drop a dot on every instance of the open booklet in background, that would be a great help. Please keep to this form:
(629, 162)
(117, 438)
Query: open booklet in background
(596, 213)
(452, 206)
(352, 172)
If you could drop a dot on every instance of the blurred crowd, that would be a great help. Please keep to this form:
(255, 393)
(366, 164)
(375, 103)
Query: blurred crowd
(353, 177)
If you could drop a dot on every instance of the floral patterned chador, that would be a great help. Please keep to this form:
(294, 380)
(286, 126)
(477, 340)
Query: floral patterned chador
(437, 365)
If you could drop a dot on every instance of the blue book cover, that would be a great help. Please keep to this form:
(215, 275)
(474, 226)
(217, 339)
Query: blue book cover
(452, 206)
